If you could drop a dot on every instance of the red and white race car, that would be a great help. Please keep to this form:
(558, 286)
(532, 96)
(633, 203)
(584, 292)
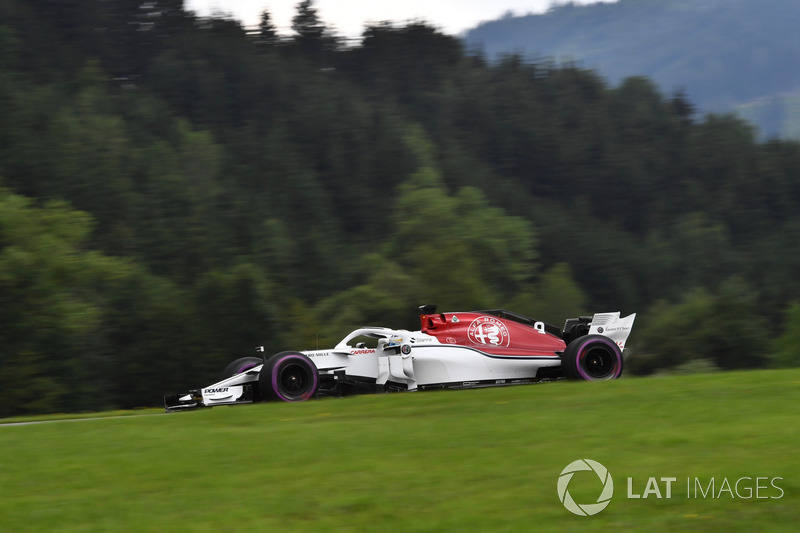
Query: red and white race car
(451, 350)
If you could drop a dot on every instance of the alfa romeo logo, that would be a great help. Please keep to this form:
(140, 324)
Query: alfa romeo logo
(587, 509)
(488, 330)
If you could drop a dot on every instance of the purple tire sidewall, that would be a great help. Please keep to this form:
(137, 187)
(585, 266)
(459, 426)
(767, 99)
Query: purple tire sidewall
(274, 377)
(244, 368)
(617, 363)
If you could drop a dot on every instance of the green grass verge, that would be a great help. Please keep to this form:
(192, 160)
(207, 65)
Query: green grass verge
(79, 416)
(480, 460)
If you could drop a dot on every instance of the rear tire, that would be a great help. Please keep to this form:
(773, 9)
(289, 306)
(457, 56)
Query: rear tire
(289, 377)
(592, 358)
(243, 364)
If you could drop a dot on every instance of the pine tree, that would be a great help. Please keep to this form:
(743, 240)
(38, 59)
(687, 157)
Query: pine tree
(266, 29)
(308, 27)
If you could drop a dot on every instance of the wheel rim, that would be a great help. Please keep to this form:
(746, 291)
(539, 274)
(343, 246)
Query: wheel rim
(293, 380)
(598, 362)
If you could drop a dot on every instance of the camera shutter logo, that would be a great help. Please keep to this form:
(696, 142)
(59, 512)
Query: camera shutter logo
(587, 509)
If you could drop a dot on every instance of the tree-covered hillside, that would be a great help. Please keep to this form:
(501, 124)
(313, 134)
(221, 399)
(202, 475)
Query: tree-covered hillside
(725, 54)
(175, 191)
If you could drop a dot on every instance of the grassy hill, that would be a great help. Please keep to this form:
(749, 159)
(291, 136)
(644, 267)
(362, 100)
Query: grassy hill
(481, 460)
(725, 54)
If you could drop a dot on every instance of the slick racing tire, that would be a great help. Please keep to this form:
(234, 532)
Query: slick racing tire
(592, 358)
(289, 377)
(243, 364)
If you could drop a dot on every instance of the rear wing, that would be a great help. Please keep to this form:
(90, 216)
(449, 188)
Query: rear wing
(612, 326)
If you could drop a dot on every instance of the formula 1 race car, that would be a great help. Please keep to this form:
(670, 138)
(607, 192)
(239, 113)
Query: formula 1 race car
(451, 350)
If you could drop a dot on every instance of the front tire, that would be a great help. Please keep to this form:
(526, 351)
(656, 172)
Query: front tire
(243, 364)
(592, 358)
(289, 377)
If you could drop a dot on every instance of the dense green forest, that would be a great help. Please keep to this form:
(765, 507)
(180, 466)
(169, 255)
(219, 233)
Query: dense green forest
(724, 54)
(175, 191)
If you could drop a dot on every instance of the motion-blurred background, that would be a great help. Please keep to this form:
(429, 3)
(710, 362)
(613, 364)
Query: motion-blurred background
(177, 189)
